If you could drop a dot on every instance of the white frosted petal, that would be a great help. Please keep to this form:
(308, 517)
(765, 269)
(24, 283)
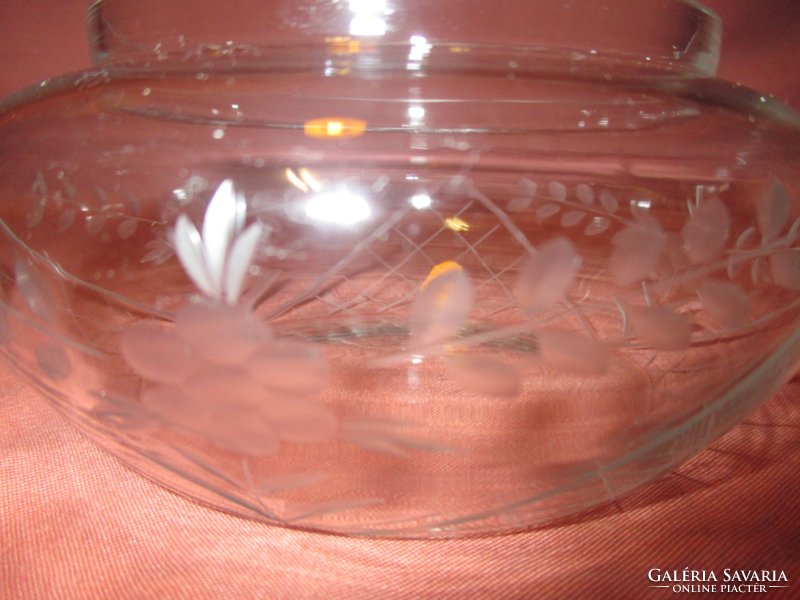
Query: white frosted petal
(484, 375)
(290, 367)
(441, 307)
(660, 327)
(609, 201)
(725, 302)
(241, 213)
(239, 262)
(220, 333)
(219, 228)
(547, 276)
(189, 248)
(573, 352)
(558, 191)
(585, 193)
(636, 251)
(785, 268)
(706, 231)
(156, 352)
(773, 212)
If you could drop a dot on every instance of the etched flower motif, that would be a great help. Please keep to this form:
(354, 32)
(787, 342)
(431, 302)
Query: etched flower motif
(441, 309)
(218, 371)
(217, 262)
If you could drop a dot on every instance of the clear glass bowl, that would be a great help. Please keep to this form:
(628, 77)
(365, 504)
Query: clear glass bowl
(400, 267)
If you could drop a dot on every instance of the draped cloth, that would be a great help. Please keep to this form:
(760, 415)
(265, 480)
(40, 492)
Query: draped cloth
(76, 523)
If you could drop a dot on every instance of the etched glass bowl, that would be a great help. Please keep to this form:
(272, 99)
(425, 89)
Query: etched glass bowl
(381, 268)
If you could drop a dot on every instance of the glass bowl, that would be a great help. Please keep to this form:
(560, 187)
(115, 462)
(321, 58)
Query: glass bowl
(380, 268)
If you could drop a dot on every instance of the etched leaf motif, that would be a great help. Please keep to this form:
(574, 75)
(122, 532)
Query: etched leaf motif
(442, 306)
(127, 228)
(158, 252)
(725, 302)
(66, 219)
(528, 187)
(585, 193)
(660, 327)
(706, 231)
(547, 210)
(636, 251)
(558, 191)
(573, 352)
(572, 218)
(95, 224)
(547, 276)
(484, 375)
(36, 214)
(784, 266)
(597, 225)
(609, 201)
(519, 204)
(772, 212)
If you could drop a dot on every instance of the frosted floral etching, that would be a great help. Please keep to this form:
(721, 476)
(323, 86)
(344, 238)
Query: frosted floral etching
(218, 371)
(651, 267)
(287, 354)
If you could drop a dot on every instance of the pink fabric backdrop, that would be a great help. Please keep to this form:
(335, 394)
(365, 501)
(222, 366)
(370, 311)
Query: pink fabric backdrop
(75, 523)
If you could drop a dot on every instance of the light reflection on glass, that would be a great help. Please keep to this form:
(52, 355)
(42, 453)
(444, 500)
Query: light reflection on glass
(368, 17)
(421, 201)
(420, 48)
(338, 207)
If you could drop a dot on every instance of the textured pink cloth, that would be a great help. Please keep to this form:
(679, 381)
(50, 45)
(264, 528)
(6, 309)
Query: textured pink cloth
(75, 523)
